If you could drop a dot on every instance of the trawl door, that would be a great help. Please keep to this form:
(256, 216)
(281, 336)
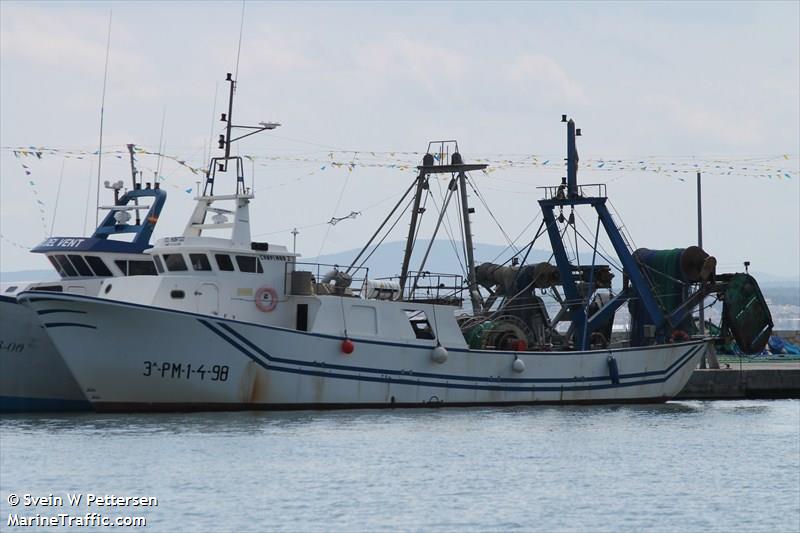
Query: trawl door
(207, 298)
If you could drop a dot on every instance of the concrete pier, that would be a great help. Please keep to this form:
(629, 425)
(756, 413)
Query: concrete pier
(744, 381)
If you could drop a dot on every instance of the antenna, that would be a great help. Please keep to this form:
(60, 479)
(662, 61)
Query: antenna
(161, 143)
(133, 179)
(102, 112)
(239, 49)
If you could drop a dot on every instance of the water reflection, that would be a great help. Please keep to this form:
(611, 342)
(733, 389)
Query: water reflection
(254, 422)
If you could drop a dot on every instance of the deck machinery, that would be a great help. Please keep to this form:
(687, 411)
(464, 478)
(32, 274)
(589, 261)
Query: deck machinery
(661, 287)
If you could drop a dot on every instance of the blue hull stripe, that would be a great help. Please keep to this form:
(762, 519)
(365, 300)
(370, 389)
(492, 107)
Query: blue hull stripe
(418, 382)
(67, 325)
(350, 368)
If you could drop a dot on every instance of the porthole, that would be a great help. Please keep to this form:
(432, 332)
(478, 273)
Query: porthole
(177, 294)
(108, 288)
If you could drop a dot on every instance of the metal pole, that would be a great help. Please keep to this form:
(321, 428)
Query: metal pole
(412, 229)
(133, 181)
(471, 277)
(294, 244)
(572, 161)
(700, 244)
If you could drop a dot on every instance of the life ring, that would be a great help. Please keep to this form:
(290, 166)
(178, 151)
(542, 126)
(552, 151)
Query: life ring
(270, 302)
(680, 336)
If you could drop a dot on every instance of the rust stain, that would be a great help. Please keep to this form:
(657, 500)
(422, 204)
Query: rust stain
(247, 382)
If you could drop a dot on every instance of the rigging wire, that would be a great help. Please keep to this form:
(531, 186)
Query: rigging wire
(447, 230)
(213, 119)
(399, 218)
(335, 209)
(58, 195)
(488, 209)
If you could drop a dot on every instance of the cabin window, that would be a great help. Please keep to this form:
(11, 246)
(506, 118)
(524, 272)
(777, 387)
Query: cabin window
(177, 294)
(199, 262)
(66, 266)
(259, 268)
(137, 268)
(247, 263)
(80, 265)
(11, 288)
(224, 262)
(419, 324)
(174, 262)
(159, 264)
(99, 267)
(49, 288)
(56, 266)
(141, 268)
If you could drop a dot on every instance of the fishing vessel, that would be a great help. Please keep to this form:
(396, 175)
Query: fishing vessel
(33, 376)
(233, 324)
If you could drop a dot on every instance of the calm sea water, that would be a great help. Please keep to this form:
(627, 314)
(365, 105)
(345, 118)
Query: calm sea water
(688, 466)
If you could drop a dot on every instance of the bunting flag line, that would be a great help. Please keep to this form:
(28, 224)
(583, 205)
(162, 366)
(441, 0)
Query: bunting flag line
(780, 166)
(34, 189)
(14, 243)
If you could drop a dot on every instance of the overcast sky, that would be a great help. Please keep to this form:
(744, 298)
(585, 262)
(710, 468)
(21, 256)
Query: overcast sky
(652, 82)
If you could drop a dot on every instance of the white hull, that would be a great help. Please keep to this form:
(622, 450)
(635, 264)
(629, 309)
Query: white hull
(33, 376)
(135, 357)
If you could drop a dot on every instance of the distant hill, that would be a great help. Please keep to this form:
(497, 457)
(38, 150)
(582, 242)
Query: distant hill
(388, 258)
(29, 275)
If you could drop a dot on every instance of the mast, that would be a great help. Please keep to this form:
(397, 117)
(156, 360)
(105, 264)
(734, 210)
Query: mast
(457, 169)
(412, 228)
(474, 295)
(572, 158)
(241, 224)
(133, 182)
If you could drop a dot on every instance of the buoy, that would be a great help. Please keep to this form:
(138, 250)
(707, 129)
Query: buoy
(518, 365)
(439, 354)
(348, 347)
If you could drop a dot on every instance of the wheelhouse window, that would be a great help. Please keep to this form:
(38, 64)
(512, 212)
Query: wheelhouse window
(224, 262)
(247, 263)
(174, 262)
(199, 262)
(137, 268)
(11, 288)
(80, 265)
(66, 266)
(159, 264)
(56, 266)
(99, 266)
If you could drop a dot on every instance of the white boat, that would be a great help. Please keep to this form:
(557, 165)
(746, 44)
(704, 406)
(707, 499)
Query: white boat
(232, 324)
(33, 376)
